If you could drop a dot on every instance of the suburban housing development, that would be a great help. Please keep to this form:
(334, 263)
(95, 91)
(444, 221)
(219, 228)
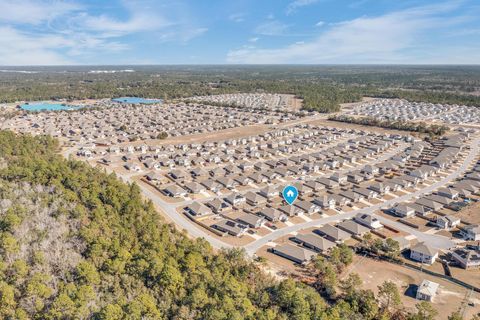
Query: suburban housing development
(216, 166)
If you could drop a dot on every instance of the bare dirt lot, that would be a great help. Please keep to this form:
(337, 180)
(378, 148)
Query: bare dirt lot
(470, 214)
(449, 298)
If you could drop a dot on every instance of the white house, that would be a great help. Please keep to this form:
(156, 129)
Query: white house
(423, 253)
(368, 220)
(447, 222)
(427, 290)
(471, 232)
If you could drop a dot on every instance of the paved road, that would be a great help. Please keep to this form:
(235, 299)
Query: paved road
(195, 230)
(436, 241)
(344, 170)
(180, 220)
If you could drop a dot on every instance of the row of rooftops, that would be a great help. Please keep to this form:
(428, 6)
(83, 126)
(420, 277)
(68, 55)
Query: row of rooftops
(396, 109)
(251, 100)
(123, 122)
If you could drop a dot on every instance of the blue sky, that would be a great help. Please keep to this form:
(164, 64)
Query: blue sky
(55, 32)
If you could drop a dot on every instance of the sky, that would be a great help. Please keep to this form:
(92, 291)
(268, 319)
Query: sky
(129, 32)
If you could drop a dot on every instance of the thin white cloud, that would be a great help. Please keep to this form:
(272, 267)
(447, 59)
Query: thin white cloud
(237, 17)
(271, 28)
(254, 39)
(140, 21)
(320, 24)
(294, 5)
(396, 37)
(60, 32)
(34, 11)
(30, 50)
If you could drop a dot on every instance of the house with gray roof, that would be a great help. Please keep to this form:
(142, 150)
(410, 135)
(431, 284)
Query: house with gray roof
(272, 214)
(290, 210)
(314, 242)
(432, 205)
(307, 207)
(353, 227)
(293, 253)
(332, 233)
(403, 210)
(197, 209)
(427, 290)
(230, 227)
(467, 258)
(368, 220)
(423, 253)
(251, 220)
(255, 199)
(471, 232)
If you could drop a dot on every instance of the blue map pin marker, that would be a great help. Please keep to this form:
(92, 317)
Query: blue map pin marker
(290, 194)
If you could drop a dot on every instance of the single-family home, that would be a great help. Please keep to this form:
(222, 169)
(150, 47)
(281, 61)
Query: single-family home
(368, 220)
(314, 242)
(293, 253)
(427, 290)
(423, 253)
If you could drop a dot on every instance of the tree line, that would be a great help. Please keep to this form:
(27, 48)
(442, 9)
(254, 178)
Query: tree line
(420, 127)
(323, 88)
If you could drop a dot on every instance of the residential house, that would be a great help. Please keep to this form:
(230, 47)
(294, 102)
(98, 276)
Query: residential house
(194, 187)
(353, 227)
(211, 185)
(427, 290)
(314, 242)
(423, 253)
(449, 193)
(379, 187)
(447, 222)
(325, 201)
(368, 220)
(197, 209)
(217, 205)
(255, 199)
(467, 258)
(290, 210)
(269, 192)
(332, 233)
(293, 253)
(235, 199)
(433, 205)
(338, 177)
(471, 232)
(307, 206)
(174, 191)
(251, 220)
(273, 214)
(231, 227)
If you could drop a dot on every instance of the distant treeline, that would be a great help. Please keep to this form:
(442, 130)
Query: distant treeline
(420, 127)
(323, 88)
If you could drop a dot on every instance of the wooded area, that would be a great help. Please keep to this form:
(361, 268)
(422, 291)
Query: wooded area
(323, 88)
(76, 243)
(433, 130)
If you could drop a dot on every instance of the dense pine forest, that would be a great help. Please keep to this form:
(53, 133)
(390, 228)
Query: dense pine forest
(323, 88)
(77, 243)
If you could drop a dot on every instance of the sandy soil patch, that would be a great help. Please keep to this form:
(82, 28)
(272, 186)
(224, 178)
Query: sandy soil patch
(448, 300)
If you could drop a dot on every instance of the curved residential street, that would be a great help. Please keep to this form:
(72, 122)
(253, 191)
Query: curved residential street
(433, 240)
(437, 241)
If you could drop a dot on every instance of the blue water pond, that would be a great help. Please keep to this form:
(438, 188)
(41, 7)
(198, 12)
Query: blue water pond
(45, 106)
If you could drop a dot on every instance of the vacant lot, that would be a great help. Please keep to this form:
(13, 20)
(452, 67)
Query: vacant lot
(470, 214)
(449, 298)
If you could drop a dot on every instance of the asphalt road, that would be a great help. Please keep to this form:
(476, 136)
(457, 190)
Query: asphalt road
(436, 241)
